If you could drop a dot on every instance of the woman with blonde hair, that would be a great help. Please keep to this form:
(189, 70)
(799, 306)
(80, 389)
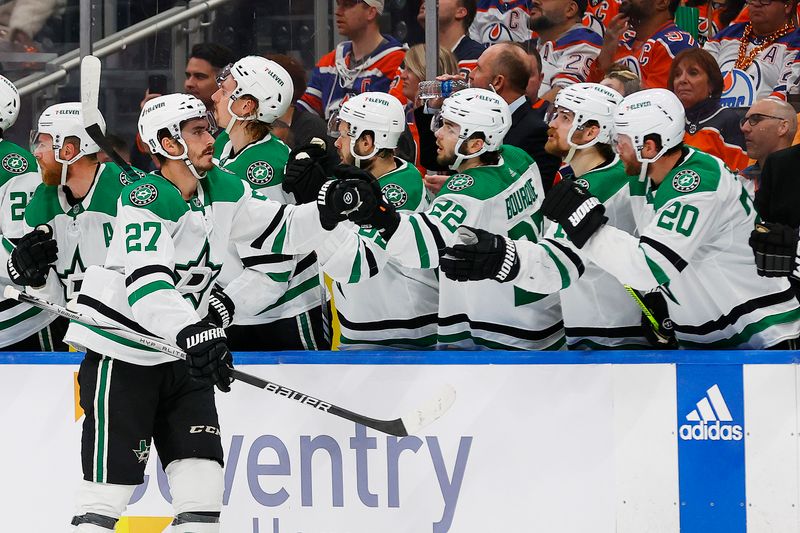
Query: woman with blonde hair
(406, 89)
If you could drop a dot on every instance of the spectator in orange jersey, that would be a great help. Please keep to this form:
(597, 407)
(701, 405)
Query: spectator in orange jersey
(696, 80)
(647, 50)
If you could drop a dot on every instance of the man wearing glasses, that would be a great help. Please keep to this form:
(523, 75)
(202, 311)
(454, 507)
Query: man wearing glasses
(367, 62)
(769, 126)
(757, 58)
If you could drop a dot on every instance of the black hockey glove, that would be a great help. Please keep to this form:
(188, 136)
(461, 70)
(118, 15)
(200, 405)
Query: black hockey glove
(207, 354)
(662, 333)
(306, 171)
(578, 212)
(372, 210)
(481, 255)
(334, 200)
(31, 258)
(220, 307)
(775, 249)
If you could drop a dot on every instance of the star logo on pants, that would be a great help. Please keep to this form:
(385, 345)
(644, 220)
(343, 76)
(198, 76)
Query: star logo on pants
(143, 453)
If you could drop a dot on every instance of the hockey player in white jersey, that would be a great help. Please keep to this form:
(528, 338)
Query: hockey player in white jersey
(22, 327)
(368, 127)
(694, 232)
(77, 199)
(280, 310)
(496, 188)
(171, 235)
(598, 311)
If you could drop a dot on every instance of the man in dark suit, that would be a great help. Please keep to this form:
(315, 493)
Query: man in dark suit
(505, 68)
(774, 241)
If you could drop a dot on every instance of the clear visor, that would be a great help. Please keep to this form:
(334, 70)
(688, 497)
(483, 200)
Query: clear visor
(223, 74)
(333, 125)
(558, 112)
(437, 122)
(35, 142)
(212, 123)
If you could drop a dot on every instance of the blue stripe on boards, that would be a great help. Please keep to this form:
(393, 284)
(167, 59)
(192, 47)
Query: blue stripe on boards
(453, 357)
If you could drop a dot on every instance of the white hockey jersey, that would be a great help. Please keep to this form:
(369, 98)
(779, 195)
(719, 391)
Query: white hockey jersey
(166, 253)
(381, 304)
(19, 178)
(290, 286)
(567, 60)
(775, 67)
(83, 231)
(504, 199)
(501, 20)
(598, 311)
(696, 247)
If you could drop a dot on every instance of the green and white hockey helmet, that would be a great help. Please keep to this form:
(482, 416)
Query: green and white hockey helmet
(379, 113)
(589, 102)
(653, 111)
(62, 121)
(169, 112)
(477, 111)
(9, 103)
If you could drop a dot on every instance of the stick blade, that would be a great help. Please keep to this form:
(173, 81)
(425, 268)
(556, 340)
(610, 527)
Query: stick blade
(430, 411)
(90, 90)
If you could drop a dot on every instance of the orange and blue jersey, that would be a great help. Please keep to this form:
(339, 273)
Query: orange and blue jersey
(599, 13)
(567, 60)
(336, 76)
(651, 59)
(501, 20)
(774, 69)
(715, 130)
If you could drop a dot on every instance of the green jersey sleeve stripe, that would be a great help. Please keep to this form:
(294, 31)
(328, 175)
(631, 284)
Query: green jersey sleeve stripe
(355, 272)
(677, 261)
(660, 275)
(277, 245)
(143, 291)
(562, 269)
(295, 291)
(422, 249)
(7, 245)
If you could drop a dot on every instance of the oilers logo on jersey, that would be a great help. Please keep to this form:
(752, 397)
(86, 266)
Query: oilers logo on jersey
(738, 88)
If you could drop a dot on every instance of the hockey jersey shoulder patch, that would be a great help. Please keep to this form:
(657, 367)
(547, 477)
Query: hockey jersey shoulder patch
(260, 173)
(163, 199)
(459, 182)
(395, 195)
(142, 195)
(686, 180)
(15, 163)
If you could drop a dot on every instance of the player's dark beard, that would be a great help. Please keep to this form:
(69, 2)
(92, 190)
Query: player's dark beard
(446, 159)
(632, 169)
(542, 23)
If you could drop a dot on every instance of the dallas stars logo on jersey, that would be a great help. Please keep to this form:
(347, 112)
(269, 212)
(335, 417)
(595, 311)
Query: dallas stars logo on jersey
(15, 163)
(126, 180)
(459, 182)
(686, 180)
(143, 195)
(260, 173)
(395, 195)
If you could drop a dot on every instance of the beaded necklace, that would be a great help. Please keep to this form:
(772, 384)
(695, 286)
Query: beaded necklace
(745, 59)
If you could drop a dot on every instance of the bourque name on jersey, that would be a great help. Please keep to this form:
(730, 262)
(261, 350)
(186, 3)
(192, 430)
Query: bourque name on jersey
(520, 200)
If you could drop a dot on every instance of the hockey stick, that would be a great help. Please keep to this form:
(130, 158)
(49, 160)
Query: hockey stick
(90, 99)
(663, 339)
(401, 427)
